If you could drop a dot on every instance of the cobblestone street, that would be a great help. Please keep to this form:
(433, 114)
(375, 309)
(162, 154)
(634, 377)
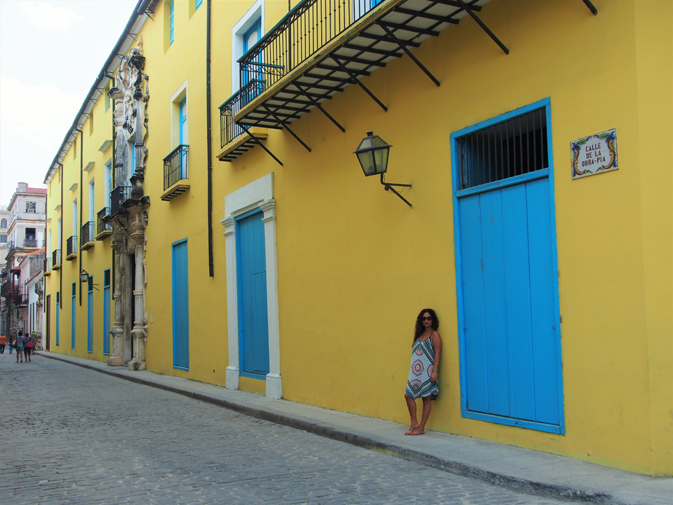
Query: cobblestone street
(71, 435)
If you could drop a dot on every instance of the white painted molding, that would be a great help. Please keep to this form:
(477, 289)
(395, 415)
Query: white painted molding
(58, 207)
(257, 194)
(89, 166)
(105, 146)
(73, 187)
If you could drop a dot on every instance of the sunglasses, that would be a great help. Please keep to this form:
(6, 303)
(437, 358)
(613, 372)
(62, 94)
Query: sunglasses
(425, 318)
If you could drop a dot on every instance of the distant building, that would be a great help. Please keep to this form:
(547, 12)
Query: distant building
(24, 260)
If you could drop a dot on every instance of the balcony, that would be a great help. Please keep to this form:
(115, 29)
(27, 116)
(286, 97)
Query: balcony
(30, 242)
(103, 229)
(56, 259)
(71, 248)
(232, 135)
(117, 198)
(46, 267)
(176, 173)
(323, 46)
(87, 235)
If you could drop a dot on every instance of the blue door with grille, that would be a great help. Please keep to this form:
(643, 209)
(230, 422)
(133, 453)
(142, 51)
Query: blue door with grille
(58, 317)
(509, 323)
(73, 318)
(252, 305)
(180, 306)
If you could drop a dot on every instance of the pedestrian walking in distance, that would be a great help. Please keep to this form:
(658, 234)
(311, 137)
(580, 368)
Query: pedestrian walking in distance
(28, 347)
(3, 342)
(20, 340)
(425, 354)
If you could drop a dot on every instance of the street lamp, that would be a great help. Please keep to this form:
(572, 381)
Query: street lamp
(84, 277)
(372, 154)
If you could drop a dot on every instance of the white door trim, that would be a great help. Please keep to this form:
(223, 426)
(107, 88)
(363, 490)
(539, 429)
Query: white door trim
(257, 194)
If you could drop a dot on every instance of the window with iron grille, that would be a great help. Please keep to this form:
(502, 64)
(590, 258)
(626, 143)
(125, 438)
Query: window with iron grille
(90, 284)
(31, 207)
(106, 280)
(513, 147)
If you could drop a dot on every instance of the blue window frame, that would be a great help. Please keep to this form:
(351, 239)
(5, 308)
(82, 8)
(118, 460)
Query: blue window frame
(198, 4)
(172, 7)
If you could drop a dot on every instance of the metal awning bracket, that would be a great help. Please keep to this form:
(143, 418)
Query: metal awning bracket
(269, 111)
(469, 10)
(257, 141)
(406, 50)
(357, 81)
(305, 93)
(591, 7)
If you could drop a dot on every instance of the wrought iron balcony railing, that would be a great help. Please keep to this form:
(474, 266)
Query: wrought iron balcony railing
(56, 259)
(176, 167)
(103, 229)
(22, 300)
(305, 30)
(117, 197)
(30, 242)
(71, 248)
(87, 235)
(229, 130)
(46, 266)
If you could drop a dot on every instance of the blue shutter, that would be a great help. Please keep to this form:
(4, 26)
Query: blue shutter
(106, 314)
(172, 22)
(252, 300)
(180, 306)
(89, 329)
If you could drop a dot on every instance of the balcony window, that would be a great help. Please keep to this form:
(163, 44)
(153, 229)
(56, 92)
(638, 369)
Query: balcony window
(71, 248)
(103, 228)
(31, 207)
(56, 259)
(87, 235)
(176, 169)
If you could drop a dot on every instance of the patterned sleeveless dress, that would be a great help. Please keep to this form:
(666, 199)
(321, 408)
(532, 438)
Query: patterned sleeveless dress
(422, 365)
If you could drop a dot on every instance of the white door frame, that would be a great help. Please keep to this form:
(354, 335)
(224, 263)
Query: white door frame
(257, 194)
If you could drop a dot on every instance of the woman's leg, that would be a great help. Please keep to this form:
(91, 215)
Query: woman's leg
(411, 405)
(427, 406)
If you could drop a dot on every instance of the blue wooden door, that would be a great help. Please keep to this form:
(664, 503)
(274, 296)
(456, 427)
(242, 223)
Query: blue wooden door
(58, 312)
(106, 314)
(252, 307)
(508, 297)
(73, 316)
(180, 306)
(89, 319)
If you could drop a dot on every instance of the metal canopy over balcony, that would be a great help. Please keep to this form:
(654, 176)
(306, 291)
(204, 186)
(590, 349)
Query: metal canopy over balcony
(322, 46)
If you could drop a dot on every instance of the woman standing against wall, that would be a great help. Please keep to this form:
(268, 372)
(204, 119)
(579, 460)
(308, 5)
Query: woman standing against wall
(426, 351)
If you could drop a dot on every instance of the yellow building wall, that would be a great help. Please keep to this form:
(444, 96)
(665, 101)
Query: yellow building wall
(355, 265)
(94, 260)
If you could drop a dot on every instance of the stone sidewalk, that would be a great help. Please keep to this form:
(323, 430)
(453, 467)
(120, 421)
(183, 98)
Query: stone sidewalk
(520, 470)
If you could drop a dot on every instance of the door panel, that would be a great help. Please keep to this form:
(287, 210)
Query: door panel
(89, 329)
(508, 268)
(253, 317)
(106, 320)
(180, 306)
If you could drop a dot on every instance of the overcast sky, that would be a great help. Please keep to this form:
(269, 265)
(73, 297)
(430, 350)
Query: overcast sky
(50, 55)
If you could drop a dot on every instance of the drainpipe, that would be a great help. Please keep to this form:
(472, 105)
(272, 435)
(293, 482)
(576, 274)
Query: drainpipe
(60, 247)
(211, 271)
(113, 177)
(81, 211)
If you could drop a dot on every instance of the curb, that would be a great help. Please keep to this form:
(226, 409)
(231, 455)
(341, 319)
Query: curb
(511, 483)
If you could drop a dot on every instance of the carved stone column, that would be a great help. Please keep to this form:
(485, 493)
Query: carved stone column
(117, 356)
(139, 324)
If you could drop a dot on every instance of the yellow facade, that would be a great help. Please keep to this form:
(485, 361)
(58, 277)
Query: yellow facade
(355, 264)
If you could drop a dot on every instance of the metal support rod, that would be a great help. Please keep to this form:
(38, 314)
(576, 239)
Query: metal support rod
(591, 7)
(388, 186)
(256, 140)
(287, 128)
(413, 58)
(319, 107)
(467, 9)
(357, 81)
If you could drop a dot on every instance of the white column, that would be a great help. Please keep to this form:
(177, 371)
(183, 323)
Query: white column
(232, 301)
(274, 385)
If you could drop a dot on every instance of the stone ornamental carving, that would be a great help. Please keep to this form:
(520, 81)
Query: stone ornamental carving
(130, 211)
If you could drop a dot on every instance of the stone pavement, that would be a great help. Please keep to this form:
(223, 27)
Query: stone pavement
(73, 436)
(516, 469)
